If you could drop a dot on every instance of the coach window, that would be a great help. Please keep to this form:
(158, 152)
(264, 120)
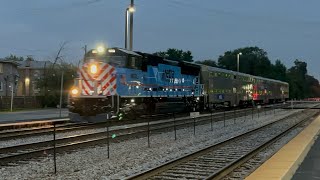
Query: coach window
(1, 67)
(1, 86)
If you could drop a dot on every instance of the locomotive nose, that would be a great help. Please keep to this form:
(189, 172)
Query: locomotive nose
(98, 79)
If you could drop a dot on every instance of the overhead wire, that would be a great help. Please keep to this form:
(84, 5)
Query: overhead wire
(248, 17)
(70, 6)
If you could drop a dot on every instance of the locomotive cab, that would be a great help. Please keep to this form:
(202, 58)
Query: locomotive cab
(117, 81)
(94, 94)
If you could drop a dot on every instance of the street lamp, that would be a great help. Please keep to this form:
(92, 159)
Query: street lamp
(238, 59)
(11, 104)
(129, 11)
(27, 85)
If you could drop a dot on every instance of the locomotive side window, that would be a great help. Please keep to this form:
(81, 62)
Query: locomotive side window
(134, 62)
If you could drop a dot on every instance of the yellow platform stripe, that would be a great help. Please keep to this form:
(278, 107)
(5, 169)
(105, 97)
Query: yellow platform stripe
(286, 161)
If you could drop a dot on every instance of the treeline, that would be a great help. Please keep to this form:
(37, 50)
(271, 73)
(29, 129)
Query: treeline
(255, 61)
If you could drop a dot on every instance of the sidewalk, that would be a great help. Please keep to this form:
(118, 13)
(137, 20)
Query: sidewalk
(26, 115)
(310, 167)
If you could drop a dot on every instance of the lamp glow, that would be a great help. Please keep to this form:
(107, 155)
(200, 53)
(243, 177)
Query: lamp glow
(75, 91)
(93, 68)
(131, 9)
(101, 49)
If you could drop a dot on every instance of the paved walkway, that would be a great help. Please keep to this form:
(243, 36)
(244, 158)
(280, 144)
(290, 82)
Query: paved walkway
(286, 161)
(32, 115)
(310, 167)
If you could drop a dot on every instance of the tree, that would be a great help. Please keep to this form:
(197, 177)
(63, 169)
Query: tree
(208, 62)
(313, 87)
(176, 55)
(51, 82)
(52, 78)
(14, 58)
(279, 71)
(29, 58)
(297, 80)
(253, 61)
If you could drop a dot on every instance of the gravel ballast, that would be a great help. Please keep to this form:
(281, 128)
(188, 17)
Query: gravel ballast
(132, 156)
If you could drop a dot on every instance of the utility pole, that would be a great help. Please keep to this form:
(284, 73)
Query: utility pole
(84, 56)
(131, 26)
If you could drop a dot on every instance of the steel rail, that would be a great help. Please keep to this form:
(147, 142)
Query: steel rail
(178, 161)
(23, 150)
(237, 163)
(85, 126)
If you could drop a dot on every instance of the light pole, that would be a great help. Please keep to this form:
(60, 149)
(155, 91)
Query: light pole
(131, 24)
(129, 13)
(126, 30)
(11, 105)
(238, 59)
(61, 91)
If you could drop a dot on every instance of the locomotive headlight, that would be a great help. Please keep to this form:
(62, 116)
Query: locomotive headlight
(132, 100)
(101, 49)
(93, 68)
(74, 91)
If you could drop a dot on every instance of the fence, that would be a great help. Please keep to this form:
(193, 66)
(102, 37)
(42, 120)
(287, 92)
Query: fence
(110, 133)
(152, 126)
(20, 102)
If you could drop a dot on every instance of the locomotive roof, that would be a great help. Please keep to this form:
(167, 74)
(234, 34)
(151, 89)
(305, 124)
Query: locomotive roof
(128, 52)
(137, 53)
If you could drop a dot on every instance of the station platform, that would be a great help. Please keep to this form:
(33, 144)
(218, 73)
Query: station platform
(30, 124)
(29, 115)
(298, 159)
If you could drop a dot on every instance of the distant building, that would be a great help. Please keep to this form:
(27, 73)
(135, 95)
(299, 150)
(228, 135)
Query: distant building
(31, 72)
(8, 77)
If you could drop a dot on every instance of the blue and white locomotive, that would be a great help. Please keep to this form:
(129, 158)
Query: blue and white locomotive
(114, 80)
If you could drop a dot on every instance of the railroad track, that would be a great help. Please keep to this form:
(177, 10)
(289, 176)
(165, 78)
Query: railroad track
(218, 160)
(12, 154)
(23, 133)
(47, 130)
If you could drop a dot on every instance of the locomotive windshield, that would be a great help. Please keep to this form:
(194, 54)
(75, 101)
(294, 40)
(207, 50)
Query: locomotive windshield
(113, 59)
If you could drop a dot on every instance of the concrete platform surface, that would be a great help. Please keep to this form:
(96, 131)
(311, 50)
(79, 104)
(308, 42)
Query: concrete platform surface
(310, 167)
(19, 116)
(286, 161)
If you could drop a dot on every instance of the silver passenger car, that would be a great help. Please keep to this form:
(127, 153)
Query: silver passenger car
(228, 88)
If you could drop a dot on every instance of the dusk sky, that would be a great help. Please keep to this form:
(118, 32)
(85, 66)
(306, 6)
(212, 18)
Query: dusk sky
(286, 29)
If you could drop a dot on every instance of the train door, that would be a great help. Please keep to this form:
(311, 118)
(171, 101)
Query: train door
(235, 91)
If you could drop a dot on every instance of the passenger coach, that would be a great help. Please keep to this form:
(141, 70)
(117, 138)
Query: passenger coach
(228, 88)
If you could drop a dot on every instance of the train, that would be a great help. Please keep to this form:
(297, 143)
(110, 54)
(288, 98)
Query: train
(118, 83)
